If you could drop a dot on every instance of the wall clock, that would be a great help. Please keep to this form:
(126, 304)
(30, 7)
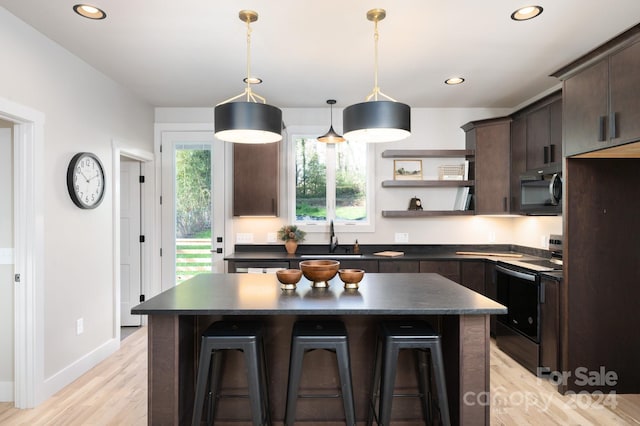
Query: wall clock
(85, 180)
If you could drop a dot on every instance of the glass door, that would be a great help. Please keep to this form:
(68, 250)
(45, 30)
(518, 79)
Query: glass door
(192, 205)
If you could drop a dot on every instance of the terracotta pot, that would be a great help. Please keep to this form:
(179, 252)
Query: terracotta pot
(291, 246)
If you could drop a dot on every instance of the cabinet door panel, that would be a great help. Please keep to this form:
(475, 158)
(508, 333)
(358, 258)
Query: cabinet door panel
(255, 179)
(550, 325)
(472, 274)
(367, 265)
(398, 266)
(492, 169)
(625, 94)
(555, 132)
(585, 109)
(447, 268)
(538, 138)
(518, 159)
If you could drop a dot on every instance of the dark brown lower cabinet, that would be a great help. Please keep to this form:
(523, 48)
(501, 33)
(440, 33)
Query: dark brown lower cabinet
(491, 291)
(447, 268)
(472, 275)
(398, 266)
(367, 265)
(549, 324)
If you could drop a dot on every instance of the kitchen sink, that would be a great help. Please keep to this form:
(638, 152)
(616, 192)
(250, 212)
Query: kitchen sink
(330, 256)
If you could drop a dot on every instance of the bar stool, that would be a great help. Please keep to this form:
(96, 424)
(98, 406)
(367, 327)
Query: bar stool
(310, 335)
(245, 336)
(395, 335)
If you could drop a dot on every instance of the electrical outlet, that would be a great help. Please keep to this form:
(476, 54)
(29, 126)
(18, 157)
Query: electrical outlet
(272, 237)
(402, 237)
(492, 237)
(79, 326)
(244, 238)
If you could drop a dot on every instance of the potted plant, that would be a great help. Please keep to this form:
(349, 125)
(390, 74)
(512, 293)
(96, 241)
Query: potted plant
(291, 235)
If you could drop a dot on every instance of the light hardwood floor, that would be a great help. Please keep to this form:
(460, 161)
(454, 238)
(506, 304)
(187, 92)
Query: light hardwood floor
(115, 393)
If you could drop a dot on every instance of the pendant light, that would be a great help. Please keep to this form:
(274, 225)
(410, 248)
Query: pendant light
(248, 121)
(377, 120)
(331, 136)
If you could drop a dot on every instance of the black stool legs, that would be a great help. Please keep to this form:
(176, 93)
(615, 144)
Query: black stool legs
(329, 335)
(230, 335)
(411, 334)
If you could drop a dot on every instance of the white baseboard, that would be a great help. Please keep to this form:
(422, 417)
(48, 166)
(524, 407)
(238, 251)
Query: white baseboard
(70, 373)
(6, 391)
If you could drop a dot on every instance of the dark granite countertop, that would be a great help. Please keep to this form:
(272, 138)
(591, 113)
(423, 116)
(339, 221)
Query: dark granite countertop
(260, 294)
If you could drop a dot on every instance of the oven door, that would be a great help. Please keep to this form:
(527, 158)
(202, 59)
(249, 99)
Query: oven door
(520, 293)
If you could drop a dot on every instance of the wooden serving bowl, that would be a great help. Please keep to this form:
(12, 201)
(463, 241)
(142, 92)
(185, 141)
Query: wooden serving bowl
(351, 277)
(288, 278)
(319, 272)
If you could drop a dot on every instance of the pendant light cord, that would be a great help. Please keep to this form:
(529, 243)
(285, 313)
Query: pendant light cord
(376, 89)
(248, 90)
(376, 37)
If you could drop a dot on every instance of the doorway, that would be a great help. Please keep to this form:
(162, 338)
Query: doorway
(6, 261)
(193, 183)
(131, 240)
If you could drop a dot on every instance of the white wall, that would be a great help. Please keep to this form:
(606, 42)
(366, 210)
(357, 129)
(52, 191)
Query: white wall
(6, 261)
(432, 128)
(84, 111)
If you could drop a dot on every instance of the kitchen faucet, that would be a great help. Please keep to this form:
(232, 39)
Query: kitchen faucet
(333, 240)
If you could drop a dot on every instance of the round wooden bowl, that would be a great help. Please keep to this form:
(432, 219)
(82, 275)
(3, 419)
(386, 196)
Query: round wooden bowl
(288, 278)
(351, 277)
(319, 272)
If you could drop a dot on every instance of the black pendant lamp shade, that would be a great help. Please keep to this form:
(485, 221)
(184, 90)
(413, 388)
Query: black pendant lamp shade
(331, 136)
(252, 120)
(377, 121)
(248, 122)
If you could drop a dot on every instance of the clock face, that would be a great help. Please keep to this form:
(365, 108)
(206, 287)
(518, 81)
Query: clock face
(85, 180)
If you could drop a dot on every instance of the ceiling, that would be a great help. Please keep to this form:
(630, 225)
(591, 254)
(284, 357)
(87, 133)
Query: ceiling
(192, 53)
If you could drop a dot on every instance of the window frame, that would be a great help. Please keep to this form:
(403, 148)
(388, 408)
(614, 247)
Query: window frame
(294, 132)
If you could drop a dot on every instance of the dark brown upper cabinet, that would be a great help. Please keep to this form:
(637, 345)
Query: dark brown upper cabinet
(602, 96)
(256, 179)
(544, 136)
(491, 169)
(536, 141)
(518, 158)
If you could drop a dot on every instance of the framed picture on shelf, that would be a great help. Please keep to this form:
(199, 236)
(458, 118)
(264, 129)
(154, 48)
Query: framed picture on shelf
(407, 169)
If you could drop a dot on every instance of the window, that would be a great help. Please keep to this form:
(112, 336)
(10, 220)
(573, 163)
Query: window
(330, 182)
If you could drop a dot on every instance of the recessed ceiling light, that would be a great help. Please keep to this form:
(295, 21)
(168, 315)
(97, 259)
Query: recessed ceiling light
(527, 12)
(89, 11)
(454, 80)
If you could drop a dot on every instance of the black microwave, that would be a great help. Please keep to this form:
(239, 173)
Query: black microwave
(541, 193)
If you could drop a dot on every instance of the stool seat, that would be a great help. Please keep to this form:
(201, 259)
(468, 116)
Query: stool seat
(245, 336)
(328, 335)
(393, 336)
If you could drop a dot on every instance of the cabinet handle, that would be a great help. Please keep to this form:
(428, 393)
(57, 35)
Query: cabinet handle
(546, 154)
(552, 153)
(601, 128)
(612, 125)
(504, 204)
(273, 205)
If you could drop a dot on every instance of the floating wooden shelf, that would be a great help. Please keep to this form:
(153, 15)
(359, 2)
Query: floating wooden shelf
(427, 153)
(425, 213)
(426, 183)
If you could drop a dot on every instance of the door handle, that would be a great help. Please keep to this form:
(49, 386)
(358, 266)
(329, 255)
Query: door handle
(546, 154)
(612, 125)
(552, 153)
(602, 121)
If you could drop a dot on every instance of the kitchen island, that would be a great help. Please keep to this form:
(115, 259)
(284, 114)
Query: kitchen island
(178, 316)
